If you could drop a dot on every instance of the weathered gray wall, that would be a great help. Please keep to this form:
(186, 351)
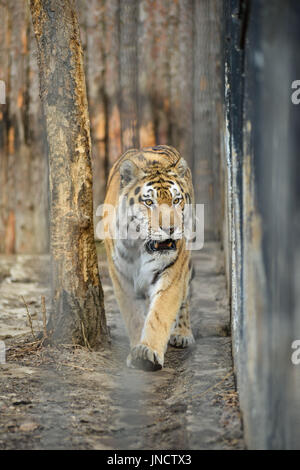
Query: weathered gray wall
(260, 162)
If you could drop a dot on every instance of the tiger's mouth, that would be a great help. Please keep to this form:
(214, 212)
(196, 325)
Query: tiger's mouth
(156, 245)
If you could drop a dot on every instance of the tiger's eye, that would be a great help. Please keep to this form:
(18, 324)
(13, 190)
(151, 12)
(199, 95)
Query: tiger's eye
(176, 201)
(149, 202)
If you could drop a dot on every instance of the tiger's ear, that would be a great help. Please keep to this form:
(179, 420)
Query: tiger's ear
(128, 172)
(182, 167)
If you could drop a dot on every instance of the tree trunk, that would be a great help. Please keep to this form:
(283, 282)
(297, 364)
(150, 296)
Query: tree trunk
(95, 73)
(112, 81)
(23, 193)
(204, 115)
(77, 311)
(161, 54)
(128, 73)
(174, 62)
(186, 69)
(146, 68)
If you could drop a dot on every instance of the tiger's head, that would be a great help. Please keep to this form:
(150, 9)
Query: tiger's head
(155, 187)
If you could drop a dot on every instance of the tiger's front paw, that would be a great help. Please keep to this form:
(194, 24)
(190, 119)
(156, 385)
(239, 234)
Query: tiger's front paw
(180, 341)
(143, 357)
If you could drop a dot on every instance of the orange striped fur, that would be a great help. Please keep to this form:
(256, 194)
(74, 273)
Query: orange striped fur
(151, 276)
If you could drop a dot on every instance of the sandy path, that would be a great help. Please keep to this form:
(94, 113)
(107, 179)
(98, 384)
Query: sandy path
(74, 399)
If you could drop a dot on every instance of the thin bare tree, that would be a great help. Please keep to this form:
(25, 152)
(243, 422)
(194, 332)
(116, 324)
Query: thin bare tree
(77, 298)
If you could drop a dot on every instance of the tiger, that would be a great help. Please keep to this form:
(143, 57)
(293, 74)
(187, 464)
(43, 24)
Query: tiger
(151, 275)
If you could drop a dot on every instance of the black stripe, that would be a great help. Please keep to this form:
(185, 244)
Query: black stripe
(159, 273)
(159, 291)
(155, 277)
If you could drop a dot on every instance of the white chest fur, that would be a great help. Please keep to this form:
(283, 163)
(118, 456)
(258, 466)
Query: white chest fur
(138, 266)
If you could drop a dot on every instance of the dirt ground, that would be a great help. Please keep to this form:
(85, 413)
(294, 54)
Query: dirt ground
(71, 398)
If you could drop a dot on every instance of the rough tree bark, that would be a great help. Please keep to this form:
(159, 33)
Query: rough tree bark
(186, 69)
(112, 81)
(174, 77)
(146, 68)
(23, 193)
(77, 311)
(204, 116)
(128, 73)
(95, 73)
(162, 81)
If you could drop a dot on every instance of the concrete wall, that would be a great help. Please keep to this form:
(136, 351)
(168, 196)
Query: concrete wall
(260, 168)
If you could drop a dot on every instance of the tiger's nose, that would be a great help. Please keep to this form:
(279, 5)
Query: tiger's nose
(168, 230)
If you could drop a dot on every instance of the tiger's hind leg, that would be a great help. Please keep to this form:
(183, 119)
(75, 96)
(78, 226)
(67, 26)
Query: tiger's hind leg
(182, 335)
